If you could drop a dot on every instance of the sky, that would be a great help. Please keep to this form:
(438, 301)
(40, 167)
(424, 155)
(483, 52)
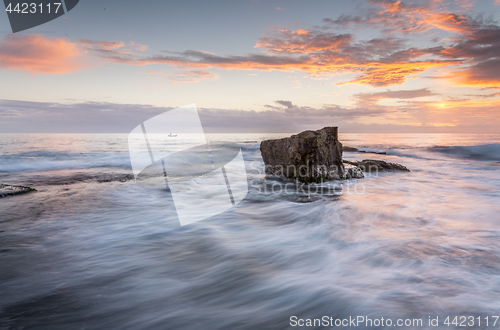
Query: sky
(257, 66)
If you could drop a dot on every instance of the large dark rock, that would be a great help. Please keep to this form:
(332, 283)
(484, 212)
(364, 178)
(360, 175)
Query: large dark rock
(373, 165)
(310, 157)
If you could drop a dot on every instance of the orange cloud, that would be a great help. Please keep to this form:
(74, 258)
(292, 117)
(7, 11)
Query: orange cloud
(480, 51)
(398, 16)
(458, 112)
(423, 17)
(38, 55)
(386, 74)
(302, 41)
(314, 53)
(449, 22)
(481, 75)
(459, 105)
(382, 61)
(301, 32)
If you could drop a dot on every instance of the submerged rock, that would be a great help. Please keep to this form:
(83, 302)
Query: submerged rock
(352, 149)
(373, 165)
(309, 157)
(8, 190)
(353, 172)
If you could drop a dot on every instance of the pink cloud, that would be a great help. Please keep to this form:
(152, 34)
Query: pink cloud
(39, 55)
(139, 47)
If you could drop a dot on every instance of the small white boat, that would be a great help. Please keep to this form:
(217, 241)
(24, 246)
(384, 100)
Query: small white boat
(172, 135)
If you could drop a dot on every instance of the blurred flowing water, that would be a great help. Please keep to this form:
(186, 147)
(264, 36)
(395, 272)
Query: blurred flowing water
(94, 250)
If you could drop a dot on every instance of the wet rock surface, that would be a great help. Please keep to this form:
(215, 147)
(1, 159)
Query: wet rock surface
(9, 190)
(353, 172)
(373, 165)
(352, 149)
(349, 149)
(309, 157)
(316, 156)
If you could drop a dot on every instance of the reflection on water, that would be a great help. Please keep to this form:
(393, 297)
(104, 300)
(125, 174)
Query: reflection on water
(92, 249)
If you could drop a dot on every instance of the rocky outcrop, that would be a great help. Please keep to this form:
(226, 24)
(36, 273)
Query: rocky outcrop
(372, 165)
(8, 190)
(316, 156)
(309, 157)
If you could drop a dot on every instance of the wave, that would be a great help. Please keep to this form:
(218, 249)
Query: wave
(253, 146)
(49, 160)
(483, 152)
(489, 152)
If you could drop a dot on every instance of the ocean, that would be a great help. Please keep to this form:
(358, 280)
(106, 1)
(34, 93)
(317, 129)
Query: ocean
(93, 249)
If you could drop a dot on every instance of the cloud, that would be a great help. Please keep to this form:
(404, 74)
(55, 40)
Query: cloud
(40, 55)
(463, 112)
(103, 45)
(397, 16)
(483, 96)
(380, 61)
(206, 60)
(94, 117)
(105, 49)
(482, 44)
(192, 76)
(469, 57)
(486, 73)
(139, 47)
(90, 117)
(453, 115)
(481, 49)
(395, 73)
(36, 54)
(371, 98)
(332, 111)
(303, 41)
(286, 104)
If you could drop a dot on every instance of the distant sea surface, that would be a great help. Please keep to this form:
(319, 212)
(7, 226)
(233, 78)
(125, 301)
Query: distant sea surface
(92, 249)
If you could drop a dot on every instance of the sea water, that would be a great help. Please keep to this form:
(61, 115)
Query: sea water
(93, 249)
